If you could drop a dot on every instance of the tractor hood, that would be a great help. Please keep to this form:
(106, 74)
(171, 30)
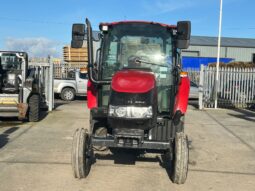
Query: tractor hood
(133, 81)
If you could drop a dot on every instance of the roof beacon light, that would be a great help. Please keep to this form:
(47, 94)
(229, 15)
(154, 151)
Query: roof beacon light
(105, 28)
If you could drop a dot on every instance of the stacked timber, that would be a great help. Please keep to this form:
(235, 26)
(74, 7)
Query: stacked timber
(234, 65)
(39, 60)
(56, 61)
(75, 57)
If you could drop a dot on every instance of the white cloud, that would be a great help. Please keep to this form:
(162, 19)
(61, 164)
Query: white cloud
(35, 47)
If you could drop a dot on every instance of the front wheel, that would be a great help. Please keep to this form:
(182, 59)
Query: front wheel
(81, 153)
(180, 159)
(34, 108)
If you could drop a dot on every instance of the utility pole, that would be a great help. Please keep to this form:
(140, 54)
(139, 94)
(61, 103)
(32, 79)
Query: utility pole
(218, 59)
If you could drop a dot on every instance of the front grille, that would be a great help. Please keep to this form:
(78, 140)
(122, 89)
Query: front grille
(136, 99)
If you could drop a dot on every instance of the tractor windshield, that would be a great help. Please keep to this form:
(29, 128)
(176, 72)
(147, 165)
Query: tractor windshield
(10, 61)
(137, 45)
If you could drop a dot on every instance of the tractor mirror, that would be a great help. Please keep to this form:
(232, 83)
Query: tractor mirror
(78, 34)
(183, 34)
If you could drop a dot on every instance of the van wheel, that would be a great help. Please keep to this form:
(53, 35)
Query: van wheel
(180, 159)
(34, 108)
(67, 94)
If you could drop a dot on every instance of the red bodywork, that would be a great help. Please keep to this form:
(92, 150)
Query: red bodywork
(182, 97)
(91, 95)
(140, 82)
(133, 81)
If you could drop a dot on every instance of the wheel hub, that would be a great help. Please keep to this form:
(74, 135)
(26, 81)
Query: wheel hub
(68, 95)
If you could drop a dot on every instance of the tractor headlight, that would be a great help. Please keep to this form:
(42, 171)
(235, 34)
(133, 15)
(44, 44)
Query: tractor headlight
(121, 111)
(130, 112)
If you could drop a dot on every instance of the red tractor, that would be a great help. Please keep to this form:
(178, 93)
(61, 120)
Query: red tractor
(137, 93)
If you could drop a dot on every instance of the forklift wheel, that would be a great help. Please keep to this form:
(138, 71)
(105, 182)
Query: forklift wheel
(180, 159)
(34, 108)
(81, 153)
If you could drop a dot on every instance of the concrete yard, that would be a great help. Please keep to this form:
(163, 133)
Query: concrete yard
(37, 156)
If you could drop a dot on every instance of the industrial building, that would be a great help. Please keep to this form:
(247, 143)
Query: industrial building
(203, 50)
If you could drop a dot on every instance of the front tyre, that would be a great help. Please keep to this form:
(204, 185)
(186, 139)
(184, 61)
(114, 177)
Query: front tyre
(81, 153)
(180, 159)
(34, 108)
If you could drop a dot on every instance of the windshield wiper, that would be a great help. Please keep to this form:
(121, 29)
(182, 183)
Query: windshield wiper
(139, 61)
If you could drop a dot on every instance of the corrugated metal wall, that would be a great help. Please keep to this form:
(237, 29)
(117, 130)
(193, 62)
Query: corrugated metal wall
(237, 53)
(241, 54)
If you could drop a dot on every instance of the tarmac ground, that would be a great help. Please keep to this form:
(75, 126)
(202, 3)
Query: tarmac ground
(37, 156)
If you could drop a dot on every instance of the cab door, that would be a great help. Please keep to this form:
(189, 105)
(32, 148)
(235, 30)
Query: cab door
(82, 80)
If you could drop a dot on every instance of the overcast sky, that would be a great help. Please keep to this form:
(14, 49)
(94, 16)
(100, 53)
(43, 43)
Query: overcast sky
(42, 27)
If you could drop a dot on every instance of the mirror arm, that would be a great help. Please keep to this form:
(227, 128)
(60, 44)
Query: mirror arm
(90, 56)
(97, 54)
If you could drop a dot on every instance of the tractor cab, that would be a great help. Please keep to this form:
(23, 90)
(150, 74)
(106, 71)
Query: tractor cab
(137, 91)
(132, 48)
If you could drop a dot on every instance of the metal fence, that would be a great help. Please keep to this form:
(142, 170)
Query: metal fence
(61, 71)
(194, 74)
(44, 75)
(236, 87)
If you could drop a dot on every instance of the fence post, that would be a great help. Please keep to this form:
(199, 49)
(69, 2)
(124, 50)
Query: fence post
(51, 84)
(201, 87)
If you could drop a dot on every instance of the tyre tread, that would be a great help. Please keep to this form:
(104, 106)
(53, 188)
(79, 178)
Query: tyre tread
(79, 152)
(180, 163)
(34, 108)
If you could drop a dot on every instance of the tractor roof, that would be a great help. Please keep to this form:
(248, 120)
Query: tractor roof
(142, 22)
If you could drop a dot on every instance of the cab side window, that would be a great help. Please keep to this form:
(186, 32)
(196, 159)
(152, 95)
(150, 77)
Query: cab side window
(71, 75)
